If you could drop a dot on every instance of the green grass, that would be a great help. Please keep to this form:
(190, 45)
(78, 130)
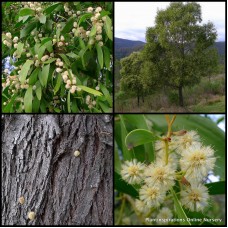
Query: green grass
(217, 106)
(207, 96)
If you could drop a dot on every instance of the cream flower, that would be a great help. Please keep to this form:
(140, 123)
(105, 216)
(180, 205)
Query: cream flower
(132, 171)
(195, 197)
(152, 196)
(172, 159)
(141, 207)
(197, 161)
(163, 216)
(191, 138)
(159, 174)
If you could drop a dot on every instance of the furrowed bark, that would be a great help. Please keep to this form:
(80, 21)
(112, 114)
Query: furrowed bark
(38, 163)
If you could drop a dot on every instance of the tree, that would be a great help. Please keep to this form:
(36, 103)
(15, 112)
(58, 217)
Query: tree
(130, 74)
(177, 46)
(43, 173)
(62, 57)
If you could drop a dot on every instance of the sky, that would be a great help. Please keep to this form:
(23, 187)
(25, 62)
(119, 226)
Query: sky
(132, 18)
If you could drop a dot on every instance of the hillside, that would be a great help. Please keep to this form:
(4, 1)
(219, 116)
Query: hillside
(125, 47)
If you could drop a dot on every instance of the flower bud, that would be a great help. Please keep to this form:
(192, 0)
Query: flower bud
(8, 34)
(15, 39)
(58, 70)
(90, 9)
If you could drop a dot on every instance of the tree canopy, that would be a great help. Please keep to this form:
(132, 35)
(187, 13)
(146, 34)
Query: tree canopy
(177, 49)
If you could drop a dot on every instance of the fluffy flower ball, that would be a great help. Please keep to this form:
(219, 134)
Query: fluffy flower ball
(132, 171)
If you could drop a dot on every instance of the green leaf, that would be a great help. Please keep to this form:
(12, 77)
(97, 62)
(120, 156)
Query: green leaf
(49, 46)
(41, 52)
(28, 100)
(22, 20)
(122, 186)
(43, 75)
(180, 212)
(139, 137)
(104, 107)
(20, 47)
(35, 105)
(117, 161)
(26, 11)
(68, 102)
(51, 8)
(81, 43)
(24, 70)
(58, 83)
(49, 60)
(106, 57)
(27, 29)
(57, 110)
(106, 94)
(104, 13)
(58, 33)
(73, 55)
(93, 31)
(42, 19)
(74, 107)
(38, 91)
(139, 122)
(33, 76)
(68, 27)
(89, 90)
(65, 59)
(84, 17)
(45, 40)
(9, 106)
(123, 131)
(108, 27)
(99, 55)
(216, 188)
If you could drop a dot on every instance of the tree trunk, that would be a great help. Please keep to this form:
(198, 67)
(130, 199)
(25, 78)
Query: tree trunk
(138, 97)
(38, 163)
(181, 99)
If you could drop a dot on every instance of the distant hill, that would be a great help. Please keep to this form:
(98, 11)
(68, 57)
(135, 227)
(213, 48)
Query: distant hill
(125, 47)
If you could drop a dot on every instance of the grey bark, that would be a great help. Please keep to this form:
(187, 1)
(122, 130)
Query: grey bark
(38, 163)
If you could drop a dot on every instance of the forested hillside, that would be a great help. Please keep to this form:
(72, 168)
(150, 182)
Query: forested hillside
(124, 47)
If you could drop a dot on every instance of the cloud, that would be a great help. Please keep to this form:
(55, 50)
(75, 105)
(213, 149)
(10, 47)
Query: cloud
(132, 18)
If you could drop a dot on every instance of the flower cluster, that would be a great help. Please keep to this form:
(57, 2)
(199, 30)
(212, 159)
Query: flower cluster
(182, 156)
(96, 20)
(36, 6)
(8, 40)
(70, 82)
(90, 102)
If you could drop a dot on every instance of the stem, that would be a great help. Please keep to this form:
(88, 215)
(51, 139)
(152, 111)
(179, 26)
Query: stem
(170, 123)
(167, 119)
(141, 219)
(166, 152)
(170, 126)
(121, 211)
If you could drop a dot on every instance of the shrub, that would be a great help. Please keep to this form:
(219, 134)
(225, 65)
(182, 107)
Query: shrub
(62, 57)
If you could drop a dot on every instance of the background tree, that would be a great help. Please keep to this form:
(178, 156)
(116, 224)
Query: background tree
(130, 74)
(178, 44)
(38, 163)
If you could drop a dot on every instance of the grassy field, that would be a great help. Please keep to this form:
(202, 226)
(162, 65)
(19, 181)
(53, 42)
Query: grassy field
(206, 97)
